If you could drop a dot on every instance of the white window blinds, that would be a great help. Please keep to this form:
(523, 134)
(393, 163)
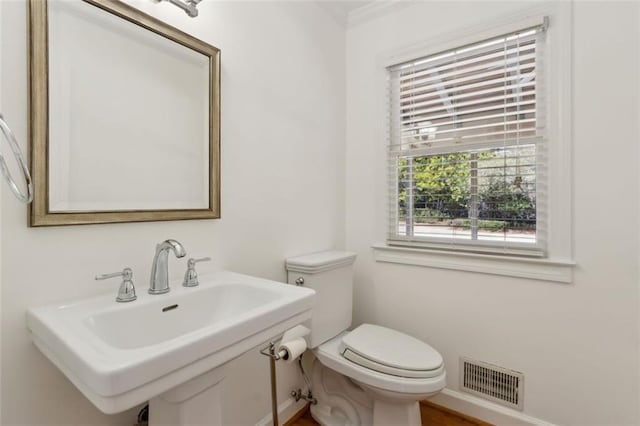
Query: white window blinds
(467, 147)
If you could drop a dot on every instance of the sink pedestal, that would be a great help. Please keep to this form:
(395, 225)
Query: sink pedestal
(195, 402)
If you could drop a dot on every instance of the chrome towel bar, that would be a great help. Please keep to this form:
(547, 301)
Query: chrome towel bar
(8, 134)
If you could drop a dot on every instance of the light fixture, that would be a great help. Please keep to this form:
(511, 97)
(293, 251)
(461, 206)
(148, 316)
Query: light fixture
(189, 6)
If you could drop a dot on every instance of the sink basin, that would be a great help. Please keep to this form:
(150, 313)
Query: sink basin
(122, 354)
(163, 320)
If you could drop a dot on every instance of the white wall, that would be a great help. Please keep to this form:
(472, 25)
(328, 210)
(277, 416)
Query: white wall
(577, 344)
(283, 169)
(1, 191)
(282, 194)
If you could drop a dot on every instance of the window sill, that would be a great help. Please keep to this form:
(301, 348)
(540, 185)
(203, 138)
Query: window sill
(538, 269)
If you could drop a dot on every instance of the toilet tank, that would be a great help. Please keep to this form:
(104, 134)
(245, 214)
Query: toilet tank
(330, 274)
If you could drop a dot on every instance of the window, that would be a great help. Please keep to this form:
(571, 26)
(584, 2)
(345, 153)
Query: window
(467, 150)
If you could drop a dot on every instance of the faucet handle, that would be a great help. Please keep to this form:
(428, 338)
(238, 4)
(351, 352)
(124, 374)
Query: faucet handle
(127, 291)
(191, 276)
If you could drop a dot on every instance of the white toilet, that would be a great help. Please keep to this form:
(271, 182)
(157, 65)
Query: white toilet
(369, 376)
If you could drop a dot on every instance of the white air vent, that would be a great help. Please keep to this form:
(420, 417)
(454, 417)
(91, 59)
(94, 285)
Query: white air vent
(491, 382)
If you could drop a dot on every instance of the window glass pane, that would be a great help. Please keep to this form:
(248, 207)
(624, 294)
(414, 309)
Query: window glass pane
(480, 195)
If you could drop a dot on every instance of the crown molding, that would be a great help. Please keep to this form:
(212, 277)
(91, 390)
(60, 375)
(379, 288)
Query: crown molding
(374, 10)
(335, 11)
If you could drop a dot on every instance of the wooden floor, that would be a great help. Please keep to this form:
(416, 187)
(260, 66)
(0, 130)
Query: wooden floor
(437, 415)
(432, 415)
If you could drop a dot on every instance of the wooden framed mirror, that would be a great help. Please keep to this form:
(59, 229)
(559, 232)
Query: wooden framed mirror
(125, 116)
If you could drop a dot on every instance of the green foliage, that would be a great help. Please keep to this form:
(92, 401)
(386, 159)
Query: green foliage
(510, 203)
(489, 225)
(441, 184)
(443, 178)
(428, 216)
(442, 187)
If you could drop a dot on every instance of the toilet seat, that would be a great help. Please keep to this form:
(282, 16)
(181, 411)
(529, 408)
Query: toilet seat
(330, 355)
(391, 352)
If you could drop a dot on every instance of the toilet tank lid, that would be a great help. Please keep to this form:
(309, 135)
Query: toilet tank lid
(320, 262)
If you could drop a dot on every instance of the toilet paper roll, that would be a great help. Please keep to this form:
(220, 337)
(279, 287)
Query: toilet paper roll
(295, 332)
(293, 349)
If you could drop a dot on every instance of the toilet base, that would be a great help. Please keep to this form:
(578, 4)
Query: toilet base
(405, 414)
(340, 401)
(345, 402)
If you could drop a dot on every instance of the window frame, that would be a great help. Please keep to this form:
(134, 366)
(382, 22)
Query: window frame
(397, 152)
(557, 263)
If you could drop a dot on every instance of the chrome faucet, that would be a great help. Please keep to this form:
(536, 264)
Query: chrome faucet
(160, 268)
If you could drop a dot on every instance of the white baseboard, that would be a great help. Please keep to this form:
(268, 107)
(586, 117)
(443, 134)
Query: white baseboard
(485, 410)
(286, 410)
(457, 401)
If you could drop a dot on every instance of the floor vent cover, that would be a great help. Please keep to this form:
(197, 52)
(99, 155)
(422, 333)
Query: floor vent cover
(491, 382)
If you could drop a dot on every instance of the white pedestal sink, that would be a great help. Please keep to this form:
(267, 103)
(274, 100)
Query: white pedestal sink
(170, 348)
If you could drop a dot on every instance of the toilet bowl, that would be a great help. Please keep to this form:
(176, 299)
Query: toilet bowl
(394, 397)
(372, 375)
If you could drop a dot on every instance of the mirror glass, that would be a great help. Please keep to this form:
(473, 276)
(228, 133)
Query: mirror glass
(132, 124)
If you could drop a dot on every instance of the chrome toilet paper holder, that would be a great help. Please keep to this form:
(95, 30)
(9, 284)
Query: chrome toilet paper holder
(270, 351)
(275, 353)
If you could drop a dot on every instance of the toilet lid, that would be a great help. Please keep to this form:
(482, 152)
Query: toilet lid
(391, 352)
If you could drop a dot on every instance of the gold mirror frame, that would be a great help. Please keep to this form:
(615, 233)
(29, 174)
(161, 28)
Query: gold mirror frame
(39, 214)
